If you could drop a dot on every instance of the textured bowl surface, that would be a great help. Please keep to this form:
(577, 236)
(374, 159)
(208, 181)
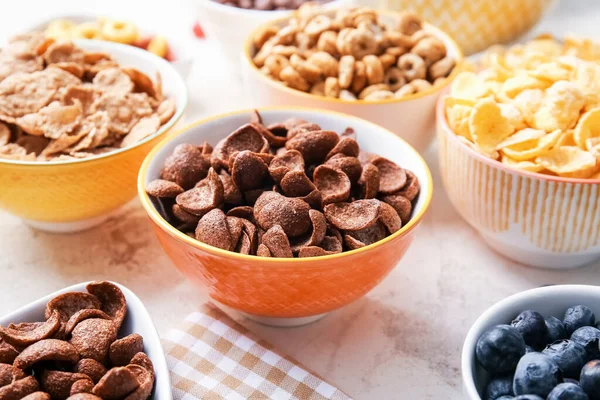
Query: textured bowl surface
(475, 25)
(69, 191)
(535, 219)
(277, 287)
(412, 118)
(548, 301)
(137, 320)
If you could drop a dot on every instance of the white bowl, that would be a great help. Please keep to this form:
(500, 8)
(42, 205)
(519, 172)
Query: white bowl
(548, 301)
(230, 26)
(412, 117)
(183, 60)
(137, 320)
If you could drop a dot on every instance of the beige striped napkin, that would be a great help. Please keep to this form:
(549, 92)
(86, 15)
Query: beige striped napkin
(213, 357)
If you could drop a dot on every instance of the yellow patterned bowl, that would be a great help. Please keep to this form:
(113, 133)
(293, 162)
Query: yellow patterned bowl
(69, 196)
(476, 25)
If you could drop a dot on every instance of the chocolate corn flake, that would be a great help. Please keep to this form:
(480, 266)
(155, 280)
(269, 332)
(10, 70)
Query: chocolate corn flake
(286, 189)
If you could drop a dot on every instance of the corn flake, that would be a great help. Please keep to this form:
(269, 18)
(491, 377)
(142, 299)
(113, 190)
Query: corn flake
(522, 165)
(588, 127)
(569, 161)
(488, 126)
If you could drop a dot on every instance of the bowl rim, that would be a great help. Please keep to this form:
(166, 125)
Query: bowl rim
(173, 232)
(154, 59)
(443, 124)
(276, 13)
(470, 341)
(248, 47)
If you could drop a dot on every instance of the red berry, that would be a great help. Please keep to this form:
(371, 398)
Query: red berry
(198, 32)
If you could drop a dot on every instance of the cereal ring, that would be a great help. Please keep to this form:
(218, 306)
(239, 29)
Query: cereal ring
(275, 63)
(379, 95)
(328, 65)
(347, 95)
(332, 87)
(263, 34)
(285, 51)
(120, 32)
(392, 178)
(399, 40)
(360, 77)
(394, 78)
(327, 42)
(369, 181)
(374, 69)
(293, 79)
(430, 49)
(308, 71)
(296, 184)
(286, 35)
(318, 25)
(208, 194)
(359, 43)
(420, 85)
(318, 89)
(420, 35)
(346, 71)
(396, 51)
(387, 60)
(409, 23)
(333, 184)
(46, 350)
(372, 89)
(404, 91)
(265, 51)
(359, 214)
(412, 66)
(439, 82)
(441, 68)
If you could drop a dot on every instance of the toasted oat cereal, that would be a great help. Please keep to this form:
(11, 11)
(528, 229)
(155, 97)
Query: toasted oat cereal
(533, 107)
(94, 364)
(289, 189)
(71, 104)
(342, 54)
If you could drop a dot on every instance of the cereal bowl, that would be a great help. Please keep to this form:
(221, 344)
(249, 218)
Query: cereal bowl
(411, 117)
(535, 219)
(286, 291)
(137, 320)
(72, 195)
(218, 19)
(548, 301)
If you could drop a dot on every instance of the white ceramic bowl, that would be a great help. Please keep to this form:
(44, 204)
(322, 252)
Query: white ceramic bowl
(548, 301)
(55, 196)
(137, 320)
(183, 59)
(411, 117)
(230, 26)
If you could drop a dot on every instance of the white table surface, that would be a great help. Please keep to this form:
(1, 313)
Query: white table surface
(402, 340)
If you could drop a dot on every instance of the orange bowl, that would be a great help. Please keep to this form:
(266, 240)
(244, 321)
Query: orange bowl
(276, 289)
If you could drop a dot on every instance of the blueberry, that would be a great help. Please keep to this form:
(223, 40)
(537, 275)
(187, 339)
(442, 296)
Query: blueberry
(555, 330)
(499, 349)
(588, 337)
(536, 374)
(578, 316)
(532, 327)
(528, 397)
(571, 380)
(568, 355)
(498, 387)
(590, 379)
(529, 349)
(567, 391)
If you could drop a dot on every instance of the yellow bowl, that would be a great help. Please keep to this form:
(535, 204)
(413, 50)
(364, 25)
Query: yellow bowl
(476, 25)
(284, 291)
(68, 196)
(411, 117)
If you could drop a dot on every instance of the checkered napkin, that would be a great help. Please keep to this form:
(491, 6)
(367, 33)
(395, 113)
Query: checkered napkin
(213, 357)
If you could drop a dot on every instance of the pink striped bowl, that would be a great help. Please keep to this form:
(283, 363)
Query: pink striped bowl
(538, 220)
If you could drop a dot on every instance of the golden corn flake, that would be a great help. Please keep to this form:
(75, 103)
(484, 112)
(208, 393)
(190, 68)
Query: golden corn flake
(517, 84)
(522, 165)
(588, 127)
(569, 161)
(560, 108)
(488, 126)
(532, 148)
(468, 85)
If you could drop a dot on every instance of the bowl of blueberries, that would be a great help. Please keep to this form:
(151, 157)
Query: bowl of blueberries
(539, 344)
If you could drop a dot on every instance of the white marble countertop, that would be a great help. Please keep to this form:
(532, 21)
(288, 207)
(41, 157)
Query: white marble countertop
(402, 340)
